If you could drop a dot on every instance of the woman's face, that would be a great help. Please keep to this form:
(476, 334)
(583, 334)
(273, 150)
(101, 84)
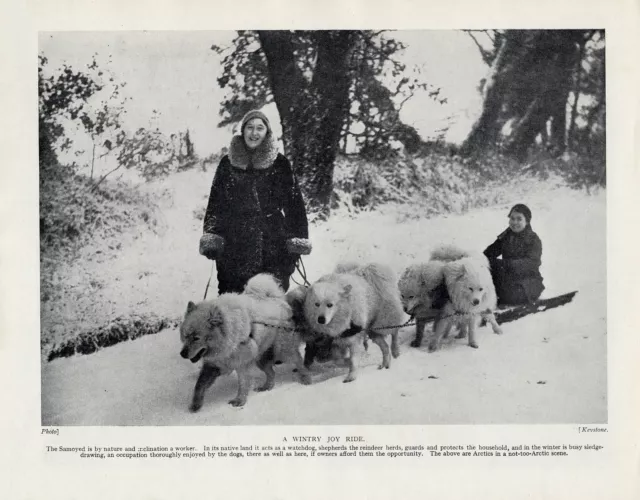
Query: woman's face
(254, 133)
(517, 221)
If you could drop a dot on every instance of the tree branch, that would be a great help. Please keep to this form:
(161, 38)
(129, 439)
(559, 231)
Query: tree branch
(485, 54)
(95, 186)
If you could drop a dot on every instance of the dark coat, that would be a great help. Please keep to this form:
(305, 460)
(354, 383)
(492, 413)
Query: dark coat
(520, 266)
(255, 210)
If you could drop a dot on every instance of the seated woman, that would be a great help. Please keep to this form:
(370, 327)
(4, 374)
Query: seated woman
(517, 275)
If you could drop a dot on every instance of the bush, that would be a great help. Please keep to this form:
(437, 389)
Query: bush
(118, 330)
(437, 183)
(72, 214)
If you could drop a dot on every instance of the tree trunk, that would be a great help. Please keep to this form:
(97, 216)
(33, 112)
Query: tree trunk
(530, 77)
(93, 158)
(555, 54)
(576, 96)
(526, 129)
(570, 45)
(485, 130)
(312, 114)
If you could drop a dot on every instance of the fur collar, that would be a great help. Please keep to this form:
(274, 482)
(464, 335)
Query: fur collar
(526, 233)
(262, 158)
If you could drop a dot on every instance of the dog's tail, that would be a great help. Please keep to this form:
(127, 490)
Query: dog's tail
(380, 276)
(347, 268)
(264, 285)
(449, 253)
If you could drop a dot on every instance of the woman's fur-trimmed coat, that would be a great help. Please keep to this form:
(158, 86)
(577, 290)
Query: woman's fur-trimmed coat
(257, 208)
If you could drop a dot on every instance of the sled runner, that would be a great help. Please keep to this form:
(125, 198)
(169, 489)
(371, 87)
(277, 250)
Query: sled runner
(512, 313)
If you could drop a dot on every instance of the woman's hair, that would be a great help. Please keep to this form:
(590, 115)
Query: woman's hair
(521, 209)
(255, 113)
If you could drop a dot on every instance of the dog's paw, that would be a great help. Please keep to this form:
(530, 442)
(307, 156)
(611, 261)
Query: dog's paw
(349, 378)
(237, 402)
(473, 344)
(433, 346)
(498, 331)
(416, 343)
(384, 364)
(195, 406)
(305, 379)
(395, 352)
(263, 388)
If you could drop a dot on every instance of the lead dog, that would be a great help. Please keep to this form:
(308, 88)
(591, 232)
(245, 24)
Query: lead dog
(234, 331)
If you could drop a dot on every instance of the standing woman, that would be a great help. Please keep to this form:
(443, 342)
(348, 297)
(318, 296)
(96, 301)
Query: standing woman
(256, 220)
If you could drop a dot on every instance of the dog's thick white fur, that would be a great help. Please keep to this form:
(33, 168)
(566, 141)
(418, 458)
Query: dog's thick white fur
(420, 287)
(228, 334)
(449, 252)
(425, 295)
(472, 296)
(353, 302)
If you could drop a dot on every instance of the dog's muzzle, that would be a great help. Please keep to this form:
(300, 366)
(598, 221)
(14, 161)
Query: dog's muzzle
(476, 302)
(410, 311)
(322, 320)
(194, 359)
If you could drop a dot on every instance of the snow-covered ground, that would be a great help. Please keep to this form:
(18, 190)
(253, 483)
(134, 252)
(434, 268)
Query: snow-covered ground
(546, 368)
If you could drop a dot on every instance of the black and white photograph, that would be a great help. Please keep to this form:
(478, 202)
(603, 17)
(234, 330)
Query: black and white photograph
(323, 227)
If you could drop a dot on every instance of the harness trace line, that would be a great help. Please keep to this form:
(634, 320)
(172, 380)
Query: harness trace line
(407, 323)
(279, 327)
(302, 272)
(453, 315)
(208, 282)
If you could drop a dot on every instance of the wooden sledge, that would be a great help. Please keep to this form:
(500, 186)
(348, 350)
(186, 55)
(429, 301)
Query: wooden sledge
(512, 313)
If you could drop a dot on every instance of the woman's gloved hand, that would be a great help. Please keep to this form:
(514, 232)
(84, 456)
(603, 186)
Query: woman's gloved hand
(211, 245)
(300, 246)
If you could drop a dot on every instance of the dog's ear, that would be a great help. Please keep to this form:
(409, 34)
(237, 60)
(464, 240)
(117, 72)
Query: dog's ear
(405, 275)
(346, 291)
(215, 319)
(461, 272)
(296, 297)
(190, 307)
(301, 293)
(428, 275)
